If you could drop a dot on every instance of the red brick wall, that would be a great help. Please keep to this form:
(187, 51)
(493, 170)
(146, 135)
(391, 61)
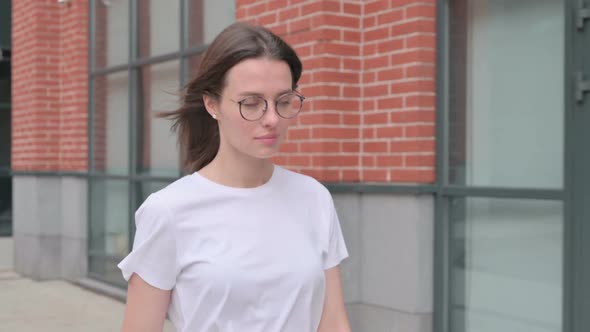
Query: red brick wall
(73, 71)
(399, 90)
(49, 85)
(369, 75)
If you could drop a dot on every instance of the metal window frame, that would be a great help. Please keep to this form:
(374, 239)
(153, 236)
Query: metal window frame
(134, 64)
(444, 192)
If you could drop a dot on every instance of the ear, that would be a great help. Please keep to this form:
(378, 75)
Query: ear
(212, 105)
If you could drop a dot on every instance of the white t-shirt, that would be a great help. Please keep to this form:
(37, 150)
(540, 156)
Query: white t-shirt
(239, 259)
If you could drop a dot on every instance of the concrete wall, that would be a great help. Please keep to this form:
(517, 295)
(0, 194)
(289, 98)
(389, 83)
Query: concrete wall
(6, 255)
(388, 278)
(50, 227)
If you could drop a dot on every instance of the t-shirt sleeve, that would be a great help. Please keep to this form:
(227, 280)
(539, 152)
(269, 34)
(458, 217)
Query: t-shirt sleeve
(154, 254)
(336, 246)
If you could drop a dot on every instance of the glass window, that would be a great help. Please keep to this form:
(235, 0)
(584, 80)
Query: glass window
(159, 92)
(5, 149)
(216, 14)
(111, 123)
(193, 64)
(5, 178)
(159, 28)
(5, 132)
(134, 152)
(111, 37)
(105, 269)
(109, 218)
(506, 99)
(5, 205)
(506, 130)
(5, 85)
(507, 265)
(109, 226)
(146, 188)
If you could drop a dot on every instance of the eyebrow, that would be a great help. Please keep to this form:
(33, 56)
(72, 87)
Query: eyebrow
(250, 93)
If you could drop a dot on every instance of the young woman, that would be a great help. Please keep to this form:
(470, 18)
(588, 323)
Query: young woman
(239, 244)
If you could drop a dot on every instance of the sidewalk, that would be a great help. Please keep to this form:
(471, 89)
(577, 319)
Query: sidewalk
(52, 306)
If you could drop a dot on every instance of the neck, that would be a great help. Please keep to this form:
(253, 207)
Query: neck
(238, 170)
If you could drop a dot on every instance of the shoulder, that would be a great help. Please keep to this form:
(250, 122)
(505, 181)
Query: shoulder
(174, 192)
(161, 202)
(305, 184)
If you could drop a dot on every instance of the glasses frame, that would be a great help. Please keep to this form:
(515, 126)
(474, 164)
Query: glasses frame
(239, 102)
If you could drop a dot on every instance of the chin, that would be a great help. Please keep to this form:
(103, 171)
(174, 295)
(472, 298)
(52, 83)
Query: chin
(266, 152)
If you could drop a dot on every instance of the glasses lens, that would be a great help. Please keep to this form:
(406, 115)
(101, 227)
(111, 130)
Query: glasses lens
(252, 108)
(289, 105)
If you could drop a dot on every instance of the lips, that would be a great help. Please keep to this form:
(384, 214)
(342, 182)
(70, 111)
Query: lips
(269, 139)
(269, 136)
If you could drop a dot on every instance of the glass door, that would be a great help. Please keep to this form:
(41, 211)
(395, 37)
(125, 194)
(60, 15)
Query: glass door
(503, 181)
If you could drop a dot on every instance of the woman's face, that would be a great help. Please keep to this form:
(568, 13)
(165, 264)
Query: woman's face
(262, 77)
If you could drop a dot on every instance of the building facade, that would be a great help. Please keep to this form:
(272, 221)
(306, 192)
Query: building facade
(451, 133)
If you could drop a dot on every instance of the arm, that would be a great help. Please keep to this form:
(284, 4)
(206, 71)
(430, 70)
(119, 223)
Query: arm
(334, 317)
(146, 307)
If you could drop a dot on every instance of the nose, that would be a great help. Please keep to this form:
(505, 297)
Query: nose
(270, 117)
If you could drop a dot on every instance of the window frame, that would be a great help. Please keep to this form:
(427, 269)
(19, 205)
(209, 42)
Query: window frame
(573, 320)
(134, 65)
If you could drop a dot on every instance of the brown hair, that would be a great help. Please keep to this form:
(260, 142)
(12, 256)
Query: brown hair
(198, 132)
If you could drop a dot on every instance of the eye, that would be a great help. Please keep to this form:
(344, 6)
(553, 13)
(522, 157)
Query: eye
(286, 100)
(251, 102)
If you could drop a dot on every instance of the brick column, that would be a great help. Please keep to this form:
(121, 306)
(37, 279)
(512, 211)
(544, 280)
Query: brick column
(49, 132)
(73, 70)
(399, 44)
(35, 85)
(49, 83)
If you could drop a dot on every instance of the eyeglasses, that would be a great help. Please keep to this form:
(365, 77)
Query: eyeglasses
(253, 108)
